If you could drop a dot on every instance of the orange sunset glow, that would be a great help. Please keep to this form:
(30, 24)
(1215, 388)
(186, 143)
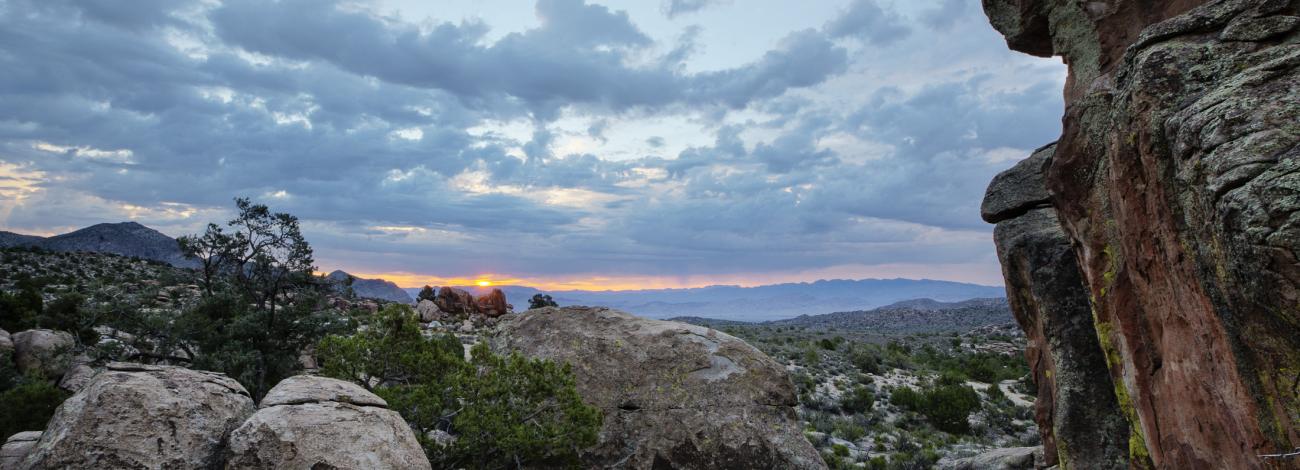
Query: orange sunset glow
(592, 282)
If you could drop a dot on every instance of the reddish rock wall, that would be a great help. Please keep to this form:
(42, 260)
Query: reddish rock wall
(1177, 180)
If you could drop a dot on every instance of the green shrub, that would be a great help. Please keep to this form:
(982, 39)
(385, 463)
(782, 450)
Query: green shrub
(503, 410)
(906, 398)
(541, 301)
(948, 407)
(866, 359)
(28, 405)
(847, 430)
(859, 399)
(840, 450)
(20, 310)
(811, 357)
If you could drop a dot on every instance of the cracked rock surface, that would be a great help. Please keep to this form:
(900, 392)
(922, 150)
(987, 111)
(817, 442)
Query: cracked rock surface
(143, 417)
(674, 395)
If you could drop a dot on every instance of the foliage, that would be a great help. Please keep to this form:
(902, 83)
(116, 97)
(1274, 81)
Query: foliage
(859, 399)
(541, 301)
(26, 402)
(67, 313)
(866, 358)
(19, 310)
(256, 346)
(427, 293)
(946, 406)
(262, 305)
(983, 367)
(504, 411)
(906, 398)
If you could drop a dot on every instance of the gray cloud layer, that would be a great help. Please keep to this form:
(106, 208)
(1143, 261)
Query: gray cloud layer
(371, 128)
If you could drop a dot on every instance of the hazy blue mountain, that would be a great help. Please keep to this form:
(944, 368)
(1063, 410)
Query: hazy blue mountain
(906, 317)
(374, 288)
(759, 303)
(125, 239)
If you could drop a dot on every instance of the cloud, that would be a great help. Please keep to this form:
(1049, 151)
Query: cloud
(675, 8)
(945, 14)
(870, 22)
(579, 55)
(448, 147)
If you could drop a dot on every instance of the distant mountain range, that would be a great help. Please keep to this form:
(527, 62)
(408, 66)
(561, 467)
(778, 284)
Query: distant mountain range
(373, 288)
(125, 239)
(761, 303)
(906, 317)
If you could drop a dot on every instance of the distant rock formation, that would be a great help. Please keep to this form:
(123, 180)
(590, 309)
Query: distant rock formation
(674, 395)
(458, 303)
(1175, 181)
(125, 239)
(493, 304)
(372, 288)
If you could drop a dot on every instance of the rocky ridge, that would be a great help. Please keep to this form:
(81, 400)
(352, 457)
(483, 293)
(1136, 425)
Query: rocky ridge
(372, 288)
(126, 239)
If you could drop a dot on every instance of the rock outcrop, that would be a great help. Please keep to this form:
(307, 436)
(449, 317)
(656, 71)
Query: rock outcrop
(77, 376)
(1077, 413)
(493, 304)
(1177, 182)
(44, 352)
(429, 311)
(673, 395)
(149, 417)
(457, 303)
(6, 343)
(318, 422)
(17, 448)
(1012, 458)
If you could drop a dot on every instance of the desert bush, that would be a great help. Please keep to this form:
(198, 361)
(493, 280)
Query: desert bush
(541, 301)
(859, 399)
(503, 410)
(26, 402)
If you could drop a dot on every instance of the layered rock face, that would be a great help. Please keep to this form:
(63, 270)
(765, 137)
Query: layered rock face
(148, 417)
(1077, 412)
(1176, 182)
(318, 422)
(673, 395)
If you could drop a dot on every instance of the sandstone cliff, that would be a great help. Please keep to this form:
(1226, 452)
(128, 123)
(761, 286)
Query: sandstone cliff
(1175, 181)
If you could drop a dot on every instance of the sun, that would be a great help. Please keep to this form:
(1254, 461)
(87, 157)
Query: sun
(484, 283)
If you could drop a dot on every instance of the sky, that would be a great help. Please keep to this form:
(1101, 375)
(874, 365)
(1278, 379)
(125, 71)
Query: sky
(564, 144)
